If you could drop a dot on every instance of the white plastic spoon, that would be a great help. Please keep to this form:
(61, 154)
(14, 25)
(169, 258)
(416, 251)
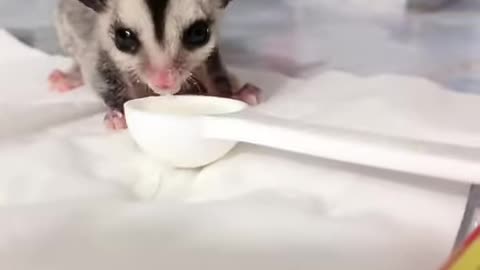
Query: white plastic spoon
(193, 131)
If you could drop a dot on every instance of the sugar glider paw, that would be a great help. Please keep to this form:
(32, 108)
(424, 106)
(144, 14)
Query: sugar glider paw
(62, 82)
(115, 120)
(249, 93)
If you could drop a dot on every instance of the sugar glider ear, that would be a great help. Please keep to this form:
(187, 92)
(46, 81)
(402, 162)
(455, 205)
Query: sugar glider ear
(97, 5)
(224, 3)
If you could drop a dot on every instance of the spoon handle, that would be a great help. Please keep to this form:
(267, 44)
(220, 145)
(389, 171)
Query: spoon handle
(450, 162)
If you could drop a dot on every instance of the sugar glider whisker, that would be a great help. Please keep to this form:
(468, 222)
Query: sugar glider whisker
(127, 49)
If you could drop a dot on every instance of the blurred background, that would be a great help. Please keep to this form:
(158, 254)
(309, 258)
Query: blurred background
(437, 39)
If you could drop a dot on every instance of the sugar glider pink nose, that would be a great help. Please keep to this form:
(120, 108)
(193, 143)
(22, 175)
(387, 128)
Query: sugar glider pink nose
(164, 79)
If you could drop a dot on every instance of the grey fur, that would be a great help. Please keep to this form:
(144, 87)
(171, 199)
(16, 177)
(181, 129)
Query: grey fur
(114, 93)
(218, 75)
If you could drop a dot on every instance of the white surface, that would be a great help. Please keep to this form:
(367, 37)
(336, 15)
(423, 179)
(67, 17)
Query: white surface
(70, 189)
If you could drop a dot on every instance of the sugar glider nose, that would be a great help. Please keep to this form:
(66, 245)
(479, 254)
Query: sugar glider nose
(163, 79)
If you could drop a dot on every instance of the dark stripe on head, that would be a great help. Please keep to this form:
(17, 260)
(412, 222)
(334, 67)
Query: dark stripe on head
(158, 9)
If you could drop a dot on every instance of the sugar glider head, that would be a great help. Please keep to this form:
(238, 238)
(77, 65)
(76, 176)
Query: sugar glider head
(158, 42)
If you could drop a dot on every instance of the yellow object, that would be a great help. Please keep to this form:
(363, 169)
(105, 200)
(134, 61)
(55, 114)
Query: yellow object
(468, 256)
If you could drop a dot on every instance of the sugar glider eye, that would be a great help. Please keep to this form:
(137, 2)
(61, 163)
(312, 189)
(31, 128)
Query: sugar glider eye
(126, 40)
(196, 35)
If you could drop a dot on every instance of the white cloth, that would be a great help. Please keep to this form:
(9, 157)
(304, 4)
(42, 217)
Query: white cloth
(75, 196)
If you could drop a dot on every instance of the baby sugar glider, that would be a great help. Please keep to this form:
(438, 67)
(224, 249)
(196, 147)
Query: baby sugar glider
(127, 49)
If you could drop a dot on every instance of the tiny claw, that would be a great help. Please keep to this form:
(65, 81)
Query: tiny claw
(115, 120)
(249, 93)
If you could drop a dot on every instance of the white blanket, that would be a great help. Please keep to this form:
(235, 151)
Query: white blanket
(75, 196)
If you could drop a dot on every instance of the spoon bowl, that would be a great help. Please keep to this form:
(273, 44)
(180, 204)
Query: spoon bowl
(172, 129)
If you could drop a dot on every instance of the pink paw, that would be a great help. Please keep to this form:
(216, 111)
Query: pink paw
(249, 93)
(62, 82)
(115, 120)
